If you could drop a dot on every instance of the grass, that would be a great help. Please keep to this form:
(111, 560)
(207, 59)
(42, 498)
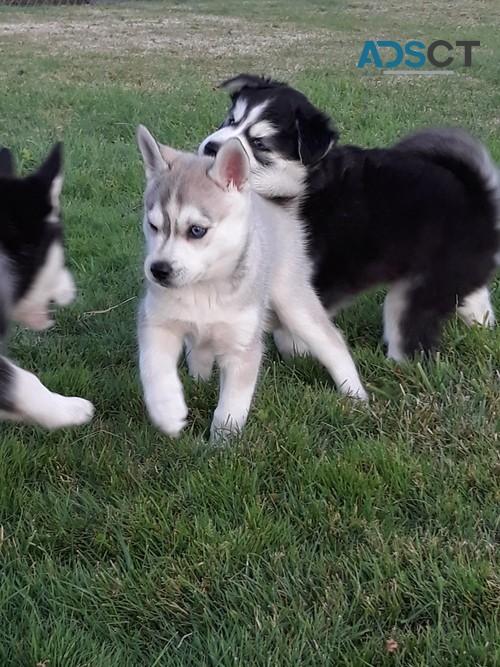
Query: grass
(327, 530)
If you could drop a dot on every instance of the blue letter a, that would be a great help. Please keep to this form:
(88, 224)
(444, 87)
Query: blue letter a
(370, 55)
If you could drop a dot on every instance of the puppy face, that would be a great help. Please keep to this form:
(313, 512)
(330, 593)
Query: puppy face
(32, 239)
(53, 284)
(280, 129)
(195, 213)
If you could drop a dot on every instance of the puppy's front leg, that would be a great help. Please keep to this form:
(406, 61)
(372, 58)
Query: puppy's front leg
(24, 398)
(239, 374)
(159, 350)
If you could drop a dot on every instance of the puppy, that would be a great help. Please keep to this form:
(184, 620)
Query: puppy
(222, 266)
(32, 276)
(422, 216)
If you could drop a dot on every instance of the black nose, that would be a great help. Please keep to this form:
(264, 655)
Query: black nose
(161, 272)
(211, 149)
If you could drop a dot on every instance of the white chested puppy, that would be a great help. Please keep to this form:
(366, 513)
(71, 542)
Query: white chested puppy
(223, 265)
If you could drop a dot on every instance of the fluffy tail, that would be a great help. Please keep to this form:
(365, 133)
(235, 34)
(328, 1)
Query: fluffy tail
(455, 149)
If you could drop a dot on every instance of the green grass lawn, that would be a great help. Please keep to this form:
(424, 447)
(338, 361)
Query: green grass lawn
(328, 529)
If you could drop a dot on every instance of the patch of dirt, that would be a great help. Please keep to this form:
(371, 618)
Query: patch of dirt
(182, 35)
(464, 13)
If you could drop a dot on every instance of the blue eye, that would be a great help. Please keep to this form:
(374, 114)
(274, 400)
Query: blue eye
(259, 144)
(197, 232)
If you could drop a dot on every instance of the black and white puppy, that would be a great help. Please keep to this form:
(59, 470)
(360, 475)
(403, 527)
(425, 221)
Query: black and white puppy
(32, 277)
(422, 216)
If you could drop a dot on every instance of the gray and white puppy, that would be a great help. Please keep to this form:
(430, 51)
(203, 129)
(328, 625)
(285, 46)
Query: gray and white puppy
(223, 265)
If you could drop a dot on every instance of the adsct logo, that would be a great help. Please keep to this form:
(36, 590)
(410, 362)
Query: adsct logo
(388, 54)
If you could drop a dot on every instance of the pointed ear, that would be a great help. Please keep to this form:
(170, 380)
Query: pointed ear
(7, 163)
(231, 167)
(153, 159)
(50, 173)
(315, 136)
(241, 81)
(52, 167)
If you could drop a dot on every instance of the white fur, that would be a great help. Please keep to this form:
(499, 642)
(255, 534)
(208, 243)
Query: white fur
(242, 122)
(200, 359)
(282, 177)
(53, 283)
(159, 349)
(477, 308)
(394, 307)
(262, 128)
(155, 216)
(287, 345)
(239, 110)
(55, 194)
(252, 263)
(35, 403)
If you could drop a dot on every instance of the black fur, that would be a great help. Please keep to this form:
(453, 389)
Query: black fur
(6, 377)
(419, 211)
(236, 84)
(25, 236)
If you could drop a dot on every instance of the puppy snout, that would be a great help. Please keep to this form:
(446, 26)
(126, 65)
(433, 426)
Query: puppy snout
(161, 272)
(211, 149)
(66, 289)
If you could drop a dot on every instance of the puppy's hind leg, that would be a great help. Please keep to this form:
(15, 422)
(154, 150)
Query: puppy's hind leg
(287, 345)
(200, 359)
(239, 373)
(395, 305)
(476, 308)
(427, 307)
(24, 398)
(304, 316)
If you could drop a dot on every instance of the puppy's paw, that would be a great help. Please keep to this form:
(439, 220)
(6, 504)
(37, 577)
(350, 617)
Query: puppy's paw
(201, 374)
(67, 411)
(359, 394)
(288, 346)
(221, 435)
(170, 417)
(225, 427)
(200, 363)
